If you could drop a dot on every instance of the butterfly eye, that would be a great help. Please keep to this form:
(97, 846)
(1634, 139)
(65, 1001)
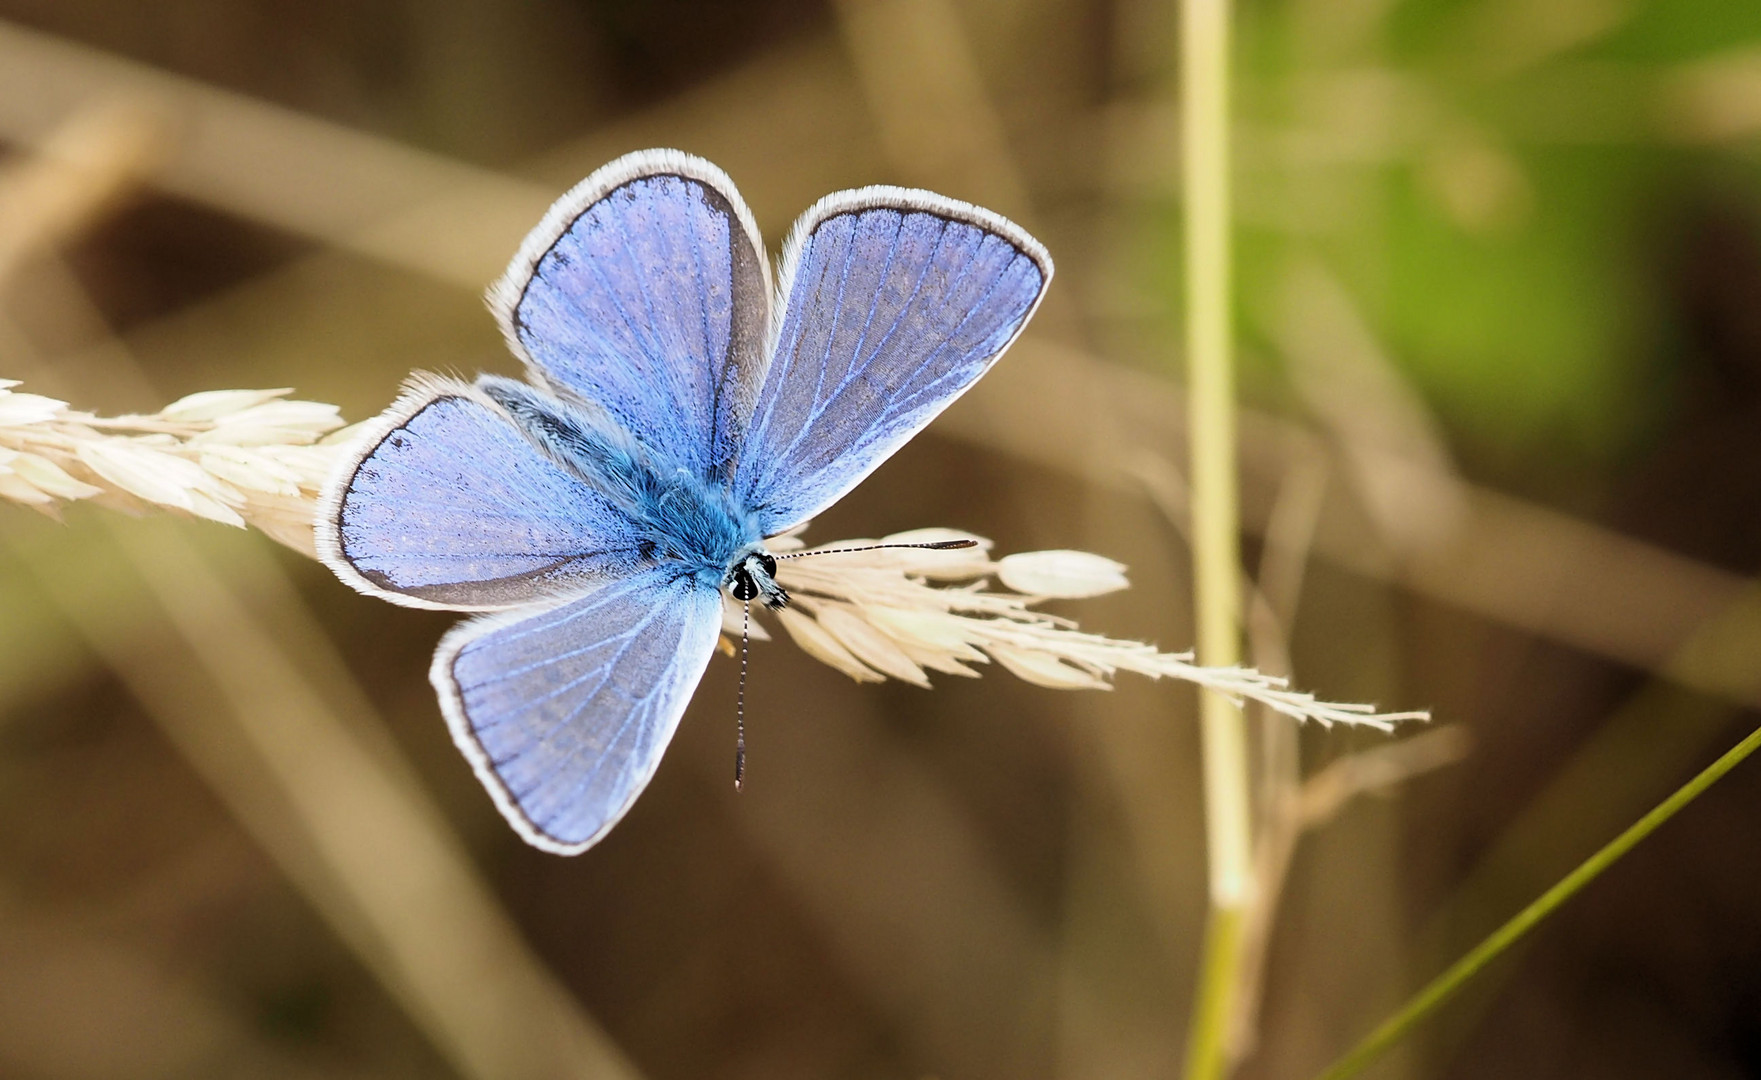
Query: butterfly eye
(769, 564)
(744, 588)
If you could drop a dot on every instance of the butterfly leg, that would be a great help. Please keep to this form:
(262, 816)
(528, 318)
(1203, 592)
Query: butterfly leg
(740, 699)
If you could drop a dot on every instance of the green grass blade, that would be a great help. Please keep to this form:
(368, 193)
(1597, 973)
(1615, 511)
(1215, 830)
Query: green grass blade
(1444, 986)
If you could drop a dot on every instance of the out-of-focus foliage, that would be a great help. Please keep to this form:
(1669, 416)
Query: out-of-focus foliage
(1500, 186)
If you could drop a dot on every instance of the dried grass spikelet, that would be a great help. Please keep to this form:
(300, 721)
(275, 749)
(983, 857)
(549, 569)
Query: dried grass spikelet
(239, 457)
(254, 457)
(903, 613)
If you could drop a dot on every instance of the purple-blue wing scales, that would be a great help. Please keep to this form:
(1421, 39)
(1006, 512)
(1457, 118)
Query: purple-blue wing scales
(565, 713)
(446, 505)
(896, 302)
(646, 293)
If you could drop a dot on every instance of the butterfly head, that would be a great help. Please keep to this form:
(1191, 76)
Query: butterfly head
(753, 576)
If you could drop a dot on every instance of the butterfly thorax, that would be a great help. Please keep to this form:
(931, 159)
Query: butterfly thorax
(683, 518)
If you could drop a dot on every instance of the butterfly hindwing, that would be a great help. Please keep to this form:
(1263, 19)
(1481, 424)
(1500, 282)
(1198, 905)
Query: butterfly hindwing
(565, 713)
(645, 291)
(445, 504)
(895, 303)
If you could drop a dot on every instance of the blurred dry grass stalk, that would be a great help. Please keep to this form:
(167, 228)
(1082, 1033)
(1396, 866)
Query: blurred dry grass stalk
(1288, 805)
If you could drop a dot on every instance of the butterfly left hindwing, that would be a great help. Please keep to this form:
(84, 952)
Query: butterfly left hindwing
(565, 713)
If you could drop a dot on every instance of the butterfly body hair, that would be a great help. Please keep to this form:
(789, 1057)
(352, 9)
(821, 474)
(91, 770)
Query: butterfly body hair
(687, 521)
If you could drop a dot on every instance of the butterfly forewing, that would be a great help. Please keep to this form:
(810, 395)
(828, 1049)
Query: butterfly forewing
(446, 504)
(645, 292)
(565, 713)
(896, 302)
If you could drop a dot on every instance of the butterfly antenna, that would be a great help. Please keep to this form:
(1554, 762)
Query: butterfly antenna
(936, 545)
(740, 698)
(745, 639)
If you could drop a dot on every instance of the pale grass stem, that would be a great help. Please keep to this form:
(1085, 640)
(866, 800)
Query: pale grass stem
(1288, 805)
(1205, 158)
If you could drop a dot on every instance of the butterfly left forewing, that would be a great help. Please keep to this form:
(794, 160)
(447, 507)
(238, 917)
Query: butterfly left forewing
(564, 713)
(896, 302)
(645, 291)
(443, 503)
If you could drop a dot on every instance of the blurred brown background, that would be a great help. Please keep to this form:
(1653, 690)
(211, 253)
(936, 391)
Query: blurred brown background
(1500, 312)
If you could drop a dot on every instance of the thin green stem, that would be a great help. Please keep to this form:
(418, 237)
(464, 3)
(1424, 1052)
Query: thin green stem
(1207, 1038)
(1204, 66)
(1441, 988)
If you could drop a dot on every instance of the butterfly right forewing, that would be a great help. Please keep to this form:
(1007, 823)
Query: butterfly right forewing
(896, 302)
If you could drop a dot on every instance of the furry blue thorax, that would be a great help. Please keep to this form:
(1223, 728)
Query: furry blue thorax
(688, 520)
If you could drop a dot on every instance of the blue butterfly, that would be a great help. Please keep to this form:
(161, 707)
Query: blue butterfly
(678, 412)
